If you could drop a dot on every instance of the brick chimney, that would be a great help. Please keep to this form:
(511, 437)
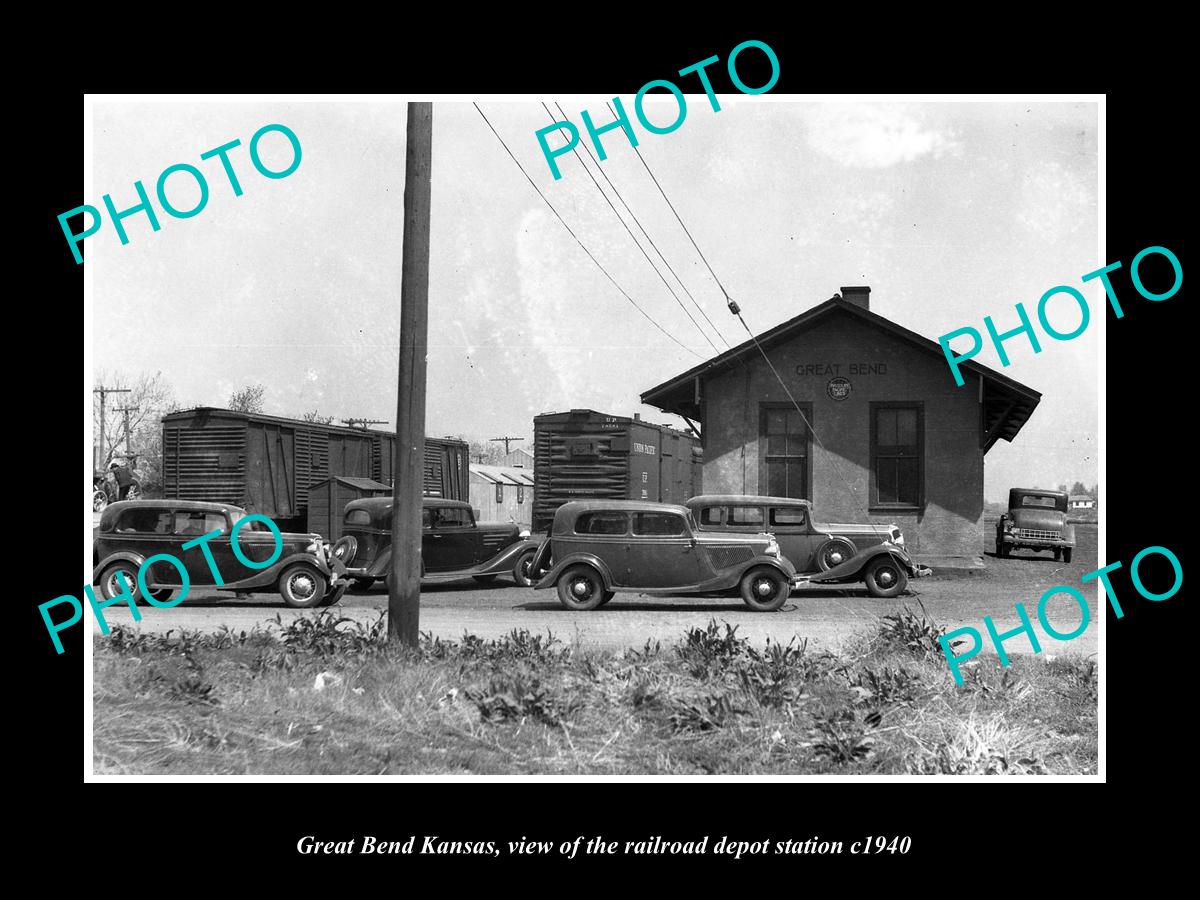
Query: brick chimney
(858, 295)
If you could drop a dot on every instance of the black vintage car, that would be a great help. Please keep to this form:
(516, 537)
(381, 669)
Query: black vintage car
(599, 547)
(1036, 519)
(827, 554)
(453, 544)
(132, 531)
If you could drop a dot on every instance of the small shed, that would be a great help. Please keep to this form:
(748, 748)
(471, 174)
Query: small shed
(327, 500)
(502, 493)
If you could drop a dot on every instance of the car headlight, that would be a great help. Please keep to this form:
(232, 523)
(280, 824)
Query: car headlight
(524, 534)
(897, 537)
(772, 548)
(315, 547)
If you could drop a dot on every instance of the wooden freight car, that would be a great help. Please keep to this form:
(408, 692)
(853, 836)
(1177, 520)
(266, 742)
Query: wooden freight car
(267, 463)
(583, 454)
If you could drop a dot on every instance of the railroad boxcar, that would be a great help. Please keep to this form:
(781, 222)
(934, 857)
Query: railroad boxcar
(583, 454)
(266, 464)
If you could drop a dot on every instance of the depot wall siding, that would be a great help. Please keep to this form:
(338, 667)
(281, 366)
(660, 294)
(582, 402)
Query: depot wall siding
(950, 520)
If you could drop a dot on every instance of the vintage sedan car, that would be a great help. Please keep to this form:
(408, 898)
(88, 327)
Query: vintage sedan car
(599, 547)
(808, 545)
(453, 544)
(833, 554)
(1036, 519)
(131, 531)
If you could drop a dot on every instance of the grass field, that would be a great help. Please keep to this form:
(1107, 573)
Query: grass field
(328, 696)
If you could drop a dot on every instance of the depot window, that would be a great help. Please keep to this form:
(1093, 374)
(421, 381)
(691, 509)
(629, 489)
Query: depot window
(785, 444)
(897, 455)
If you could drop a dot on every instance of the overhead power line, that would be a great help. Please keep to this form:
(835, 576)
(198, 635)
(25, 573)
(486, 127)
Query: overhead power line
(582, 246)
(737, 312)
(677, 218)
(650, 240)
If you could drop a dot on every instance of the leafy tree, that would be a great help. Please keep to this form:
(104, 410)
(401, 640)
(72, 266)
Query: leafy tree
(151, 397)
(1079, 488)
(316, 418)
(250, 399)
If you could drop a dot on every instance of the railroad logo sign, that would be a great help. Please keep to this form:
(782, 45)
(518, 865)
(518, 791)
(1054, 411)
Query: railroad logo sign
(838, 388)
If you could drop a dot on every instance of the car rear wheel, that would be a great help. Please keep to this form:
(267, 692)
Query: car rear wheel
(302, 587)
(765, 589)
(1067, 553)
(99, 500)
(523, 570)
(885, 578)
(580, 588)
(834, 552)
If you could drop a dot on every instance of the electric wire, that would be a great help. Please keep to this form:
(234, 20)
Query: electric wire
(634, 237)
(736, 311)
(649, 239)
(676, 212)
(577, 239)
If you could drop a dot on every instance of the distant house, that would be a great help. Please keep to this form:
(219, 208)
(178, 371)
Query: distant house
(502, 493)
(522, 459)
(1081, 501)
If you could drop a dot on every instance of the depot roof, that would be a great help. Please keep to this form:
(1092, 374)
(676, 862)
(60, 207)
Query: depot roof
(1008, 404)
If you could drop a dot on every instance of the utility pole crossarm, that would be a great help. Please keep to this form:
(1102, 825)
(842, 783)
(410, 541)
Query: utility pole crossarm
(507, 441)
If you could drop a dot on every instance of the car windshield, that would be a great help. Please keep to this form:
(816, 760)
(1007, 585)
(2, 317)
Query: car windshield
(1038, 501)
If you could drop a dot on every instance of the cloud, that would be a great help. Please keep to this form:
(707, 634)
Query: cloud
(873, 137)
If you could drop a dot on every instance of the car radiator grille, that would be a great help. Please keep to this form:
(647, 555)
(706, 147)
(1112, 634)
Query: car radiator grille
(727, 557)
(1037, 534)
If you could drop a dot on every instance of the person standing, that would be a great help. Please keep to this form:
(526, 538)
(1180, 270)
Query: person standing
(124, 477)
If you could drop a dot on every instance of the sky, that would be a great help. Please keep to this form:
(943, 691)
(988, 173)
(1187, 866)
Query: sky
(949, 211)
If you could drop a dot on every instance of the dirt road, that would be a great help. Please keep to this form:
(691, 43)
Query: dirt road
(825, 616)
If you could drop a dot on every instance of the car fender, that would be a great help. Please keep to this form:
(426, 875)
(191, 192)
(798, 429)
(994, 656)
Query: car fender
(551, 578)
(270, 576)
(1069, 535)
(128, 556)
(851, 569)
(506, 559)
(783, 565)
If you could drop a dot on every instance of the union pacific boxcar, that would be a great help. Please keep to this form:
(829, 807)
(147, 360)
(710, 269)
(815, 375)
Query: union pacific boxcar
(583, 454)
(266, 464)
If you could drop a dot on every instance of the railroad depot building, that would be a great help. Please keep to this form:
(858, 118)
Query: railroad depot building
(895, 439)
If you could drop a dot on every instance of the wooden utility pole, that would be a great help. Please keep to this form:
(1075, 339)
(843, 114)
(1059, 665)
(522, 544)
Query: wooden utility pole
(104, 392)
(128, 445)
(507, 441)
(404, 586)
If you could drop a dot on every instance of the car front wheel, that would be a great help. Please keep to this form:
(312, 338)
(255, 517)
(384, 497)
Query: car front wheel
(302, 587)
(580, 588)
(765, 589)
(1067, 553)
(885, 578)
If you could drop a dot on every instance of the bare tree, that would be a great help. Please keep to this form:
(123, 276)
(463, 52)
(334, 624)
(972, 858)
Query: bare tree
(250, 399)
(151, 397)
(316, 418)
